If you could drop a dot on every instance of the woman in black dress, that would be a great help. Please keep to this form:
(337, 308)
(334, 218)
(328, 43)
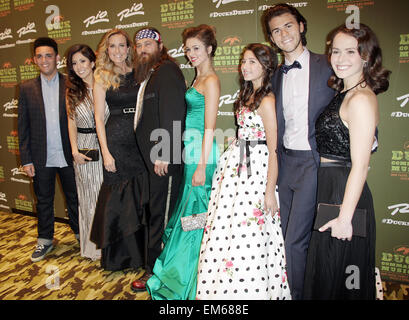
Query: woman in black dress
(340, 264)
(119, 217)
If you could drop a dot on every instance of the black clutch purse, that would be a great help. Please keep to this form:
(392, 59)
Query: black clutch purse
(90, 153)
(327, 212)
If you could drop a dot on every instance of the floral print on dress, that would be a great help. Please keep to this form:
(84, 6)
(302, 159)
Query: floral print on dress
(251, 125)
(228, 267)
(258, 216)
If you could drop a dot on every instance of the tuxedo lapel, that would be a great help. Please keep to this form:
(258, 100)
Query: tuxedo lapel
(278, 90)
(313, 82)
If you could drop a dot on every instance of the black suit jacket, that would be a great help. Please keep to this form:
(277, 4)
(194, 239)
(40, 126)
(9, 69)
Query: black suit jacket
(319, 97)
(163, 107)
(32, 130)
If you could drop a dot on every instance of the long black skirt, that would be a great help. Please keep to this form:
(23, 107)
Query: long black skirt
(119, 226)
(337, 269)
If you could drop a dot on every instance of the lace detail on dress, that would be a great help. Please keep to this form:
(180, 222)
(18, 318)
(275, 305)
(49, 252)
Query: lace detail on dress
(331, 133)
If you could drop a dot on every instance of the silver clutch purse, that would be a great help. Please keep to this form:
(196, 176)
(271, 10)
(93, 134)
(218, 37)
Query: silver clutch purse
(194, 221)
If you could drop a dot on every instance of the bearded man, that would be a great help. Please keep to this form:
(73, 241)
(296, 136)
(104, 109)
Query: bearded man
(159, 123)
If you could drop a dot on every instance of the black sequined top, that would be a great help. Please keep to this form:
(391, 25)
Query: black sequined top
(331, 133)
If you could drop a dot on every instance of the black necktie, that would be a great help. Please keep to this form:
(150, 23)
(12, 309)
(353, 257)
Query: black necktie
(285, 68)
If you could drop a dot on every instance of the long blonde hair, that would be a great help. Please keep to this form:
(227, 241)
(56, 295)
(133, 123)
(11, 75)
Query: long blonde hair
(106, 72)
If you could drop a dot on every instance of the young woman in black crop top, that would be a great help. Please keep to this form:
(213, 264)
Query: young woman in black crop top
(346, 136)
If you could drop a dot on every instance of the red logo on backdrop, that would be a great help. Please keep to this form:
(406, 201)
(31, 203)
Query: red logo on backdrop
(28, 61)
(231, 40)
(7, 65)
(58, 18)
(22, 197)
(14, 133)
(402, 249)
(406, 145)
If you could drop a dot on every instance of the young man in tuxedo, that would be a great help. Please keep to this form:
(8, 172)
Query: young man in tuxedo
(45, 149)
(302, 93)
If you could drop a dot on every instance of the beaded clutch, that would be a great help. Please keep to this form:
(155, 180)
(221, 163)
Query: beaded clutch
(194, 221)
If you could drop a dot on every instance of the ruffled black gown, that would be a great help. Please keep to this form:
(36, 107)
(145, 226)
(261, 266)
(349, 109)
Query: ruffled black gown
(119, 223)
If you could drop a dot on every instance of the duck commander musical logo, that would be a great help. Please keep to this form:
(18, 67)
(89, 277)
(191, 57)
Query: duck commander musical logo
(58, 27)
(23, 5)
(28, 70)
(395, 264)
(404, 48)
(22, 203)
(400, 162)
(177, 14)
(12, 143)
(227, 55)
(8, 75)
(5, 8)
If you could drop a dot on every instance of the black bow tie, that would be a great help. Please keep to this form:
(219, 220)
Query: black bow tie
(285, 68)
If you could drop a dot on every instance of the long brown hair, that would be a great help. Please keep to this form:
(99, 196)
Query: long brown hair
(374, 74)
(77, 90)
(268, 60)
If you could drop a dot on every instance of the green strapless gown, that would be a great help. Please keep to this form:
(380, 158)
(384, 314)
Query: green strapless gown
(175, 271)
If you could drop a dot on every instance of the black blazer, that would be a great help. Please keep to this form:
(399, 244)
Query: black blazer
(32, 130)
(163, 104)
(319, 97)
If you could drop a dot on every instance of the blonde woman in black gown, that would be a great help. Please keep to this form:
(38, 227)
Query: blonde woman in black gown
(120, 217)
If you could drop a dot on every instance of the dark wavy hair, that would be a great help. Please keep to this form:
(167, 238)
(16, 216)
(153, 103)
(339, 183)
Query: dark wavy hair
(268, 60)
(205, 33)
(278, 10)
(374, 74)
(77, 90)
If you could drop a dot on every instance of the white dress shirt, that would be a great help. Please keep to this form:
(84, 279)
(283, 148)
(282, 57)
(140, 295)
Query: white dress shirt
(295, 104)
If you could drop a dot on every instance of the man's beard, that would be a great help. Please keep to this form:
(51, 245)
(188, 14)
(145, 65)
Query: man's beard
(144, 64)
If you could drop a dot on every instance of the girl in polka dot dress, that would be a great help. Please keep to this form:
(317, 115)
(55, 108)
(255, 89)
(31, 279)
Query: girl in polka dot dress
(242, 251)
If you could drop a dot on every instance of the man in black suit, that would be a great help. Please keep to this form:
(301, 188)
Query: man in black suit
(302, 93)
(159, 124)
(44, 144)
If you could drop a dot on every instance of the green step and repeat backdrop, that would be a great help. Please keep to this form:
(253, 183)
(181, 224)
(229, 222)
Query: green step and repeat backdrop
(238, 22)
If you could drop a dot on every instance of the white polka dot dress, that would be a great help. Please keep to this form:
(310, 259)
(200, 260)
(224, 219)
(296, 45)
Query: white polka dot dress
(242, 251)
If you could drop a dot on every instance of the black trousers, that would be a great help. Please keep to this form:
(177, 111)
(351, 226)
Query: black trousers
(44, 188)
(297, 190)
(163, 194)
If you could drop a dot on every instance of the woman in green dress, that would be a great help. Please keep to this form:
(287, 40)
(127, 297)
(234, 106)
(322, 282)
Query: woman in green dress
(175, 271)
